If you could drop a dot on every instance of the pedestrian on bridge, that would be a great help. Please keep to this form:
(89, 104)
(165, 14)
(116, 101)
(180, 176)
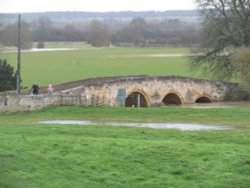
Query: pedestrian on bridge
(35, 89)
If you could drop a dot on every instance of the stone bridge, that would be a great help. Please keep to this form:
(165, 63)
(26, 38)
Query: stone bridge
(143, 91)
(146, 91)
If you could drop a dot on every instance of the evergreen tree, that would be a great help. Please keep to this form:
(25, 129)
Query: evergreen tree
(7, 76)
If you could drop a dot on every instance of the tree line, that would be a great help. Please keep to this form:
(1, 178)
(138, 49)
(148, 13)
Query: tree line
(135, 32)
(69, 16)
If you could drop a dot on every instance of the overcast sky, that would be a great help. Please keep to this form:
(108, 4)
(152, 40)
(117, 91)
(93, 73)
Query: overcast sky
(20, 6)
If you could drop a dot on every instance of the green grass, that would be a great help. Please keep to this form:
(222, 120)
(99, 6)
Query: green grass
(33, 155)
(238, 117)
(64, 66)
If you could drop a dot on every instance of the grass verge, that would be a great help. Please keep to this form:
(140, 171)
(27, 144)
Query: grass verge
(33, 155)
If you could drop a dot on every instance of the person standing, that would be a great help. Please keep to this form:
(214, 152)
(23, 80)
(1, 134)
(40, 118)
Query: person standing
(35, 89)
(50, 89)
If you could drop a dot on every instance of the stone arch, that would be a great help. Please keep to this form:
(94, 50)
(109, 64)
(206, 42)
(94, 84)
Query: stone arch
(204, 99)
(172, 98)
(132, 99)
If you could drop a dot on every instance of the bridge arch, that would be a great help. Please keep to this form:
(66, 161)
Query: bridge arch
(204, 99)
(136, 97)
(172, 98)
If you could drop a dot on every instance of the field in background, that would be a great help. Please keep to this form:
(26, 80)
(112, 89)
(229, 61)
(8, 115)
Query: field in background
(64, 66)
(33, 155)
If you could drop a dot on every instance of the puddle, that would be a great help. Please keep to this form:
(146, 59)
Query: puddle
(43, 50)
(180, 126)
(169, 55)
(67, 122)
(153, 55)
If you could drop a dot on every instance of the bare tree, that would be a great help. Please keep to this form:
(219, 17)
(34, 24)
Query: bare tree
(98, 34)
(242, 63)
(226, 25)
(43, 29)
(9, 35)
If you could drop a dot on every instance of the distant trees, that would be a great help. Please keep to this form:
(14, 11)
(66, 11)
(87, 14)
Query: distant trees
(98, 34)
(8, 35)
(44, 30)
(168, 32)
(70, 33)
(135, 32)
(7, 76)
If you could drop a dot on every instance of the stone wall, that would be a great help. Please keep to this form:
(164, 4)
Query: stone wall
(13, 103)
(153, 90)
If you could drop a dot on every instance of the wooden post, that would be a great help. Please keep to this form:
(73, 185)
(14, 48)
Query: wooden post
(18, 79)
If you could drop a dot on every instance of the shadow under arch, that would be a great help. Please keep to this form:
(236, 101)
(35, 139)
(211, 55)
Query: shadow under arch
(172, 99)
(135, 98)
(204, 99)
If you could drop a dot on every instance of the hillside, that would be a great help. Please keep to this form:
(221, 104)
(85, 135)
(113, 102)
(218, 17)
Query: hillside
(57, 16)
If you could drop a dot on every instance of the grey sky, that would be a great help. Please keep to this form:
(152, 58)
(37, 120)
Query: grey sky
(93, 5)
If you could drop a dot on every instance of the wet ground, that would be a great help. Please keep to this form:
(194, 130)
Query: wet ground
(43, 50)
(180, 126)
(168, 55)
(231, 104)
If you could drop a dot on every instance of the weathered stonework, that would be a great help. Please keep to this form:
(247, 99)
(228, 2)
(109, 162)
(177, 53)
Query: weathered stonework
(149, 91)
(26, 102)
(155, 89)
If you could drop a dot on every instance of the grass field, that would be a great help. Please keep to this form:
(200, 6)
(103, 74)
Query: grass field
(64, 66)
(50, 156)
(33, 155)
